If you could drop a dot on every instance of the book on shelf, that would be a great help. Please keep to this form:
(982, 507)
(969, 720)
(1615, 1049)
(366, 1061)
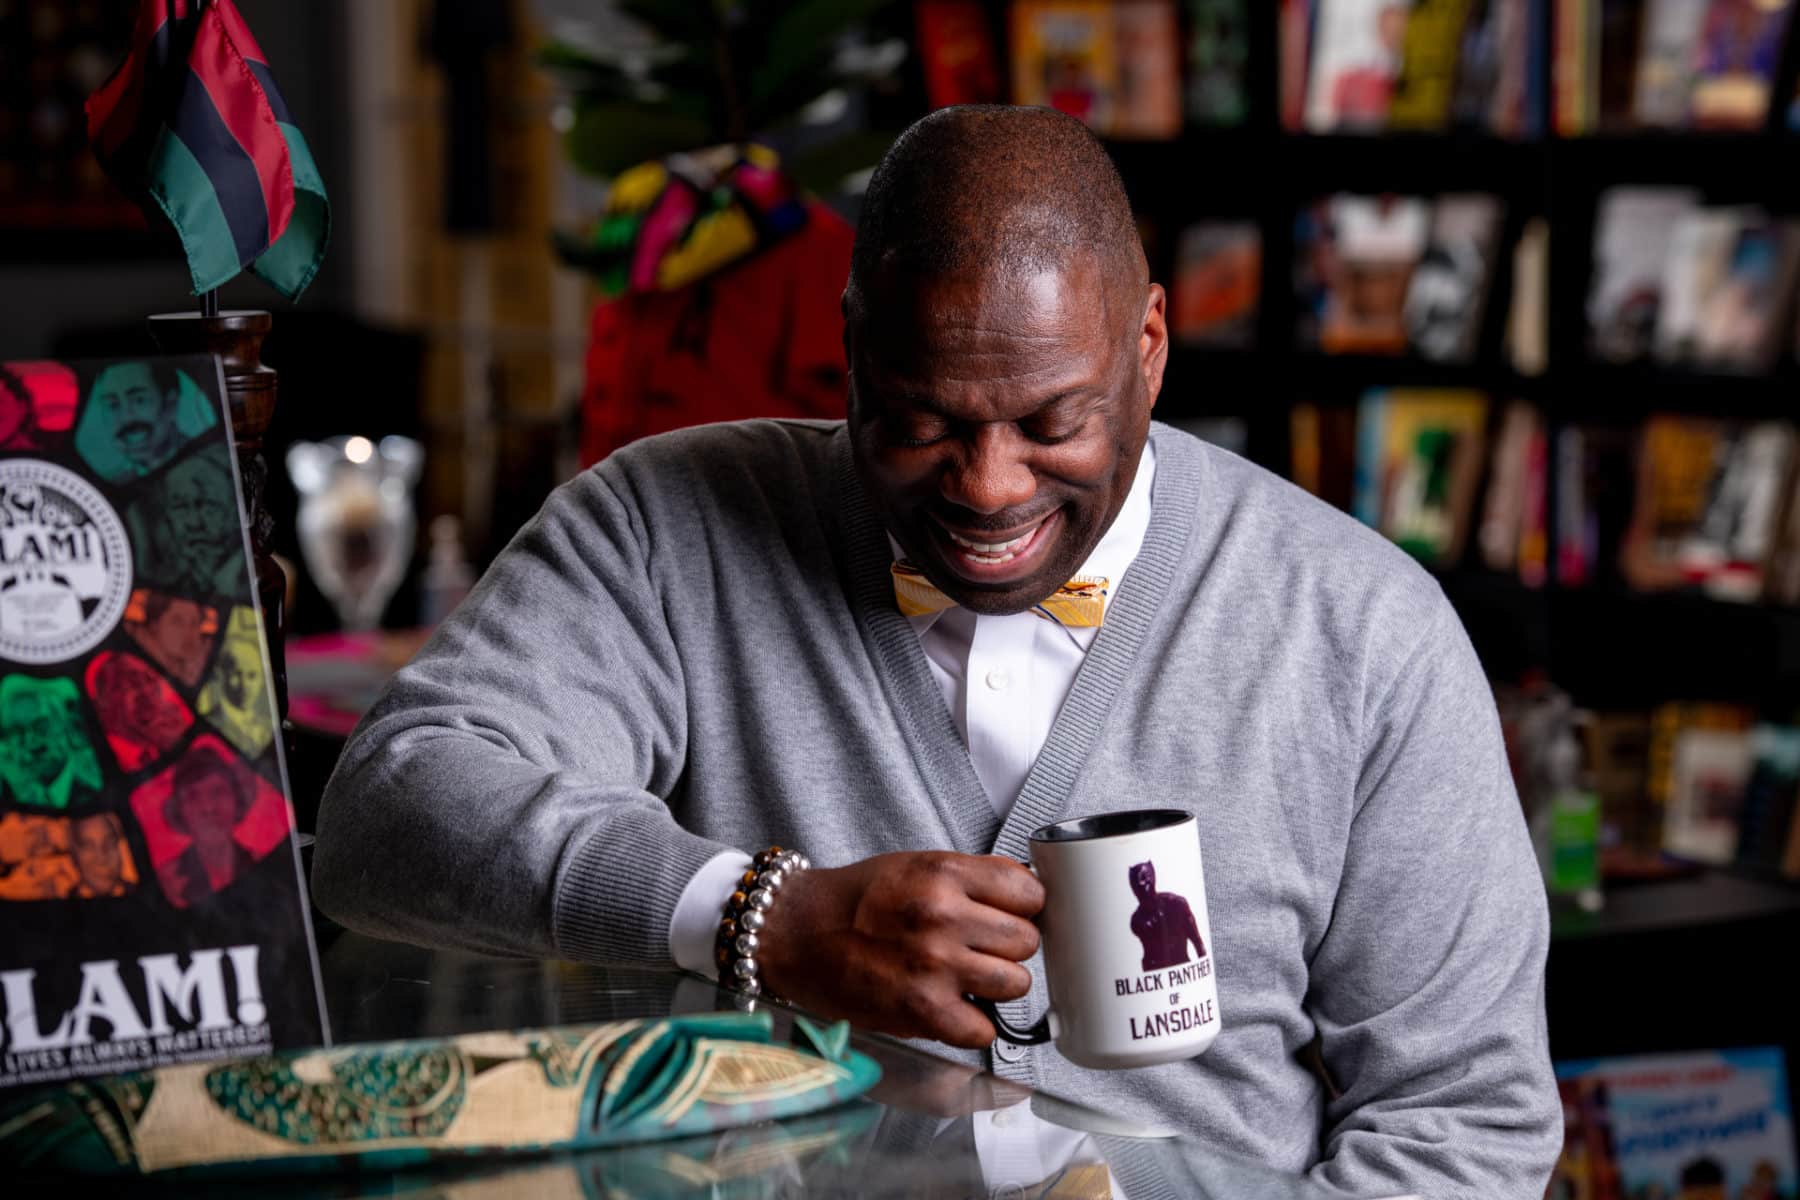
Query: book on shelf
(1420, 454)
(1595, 497)
(1634, 228)
(1293, 45)
(1218, 61)
(956, 48)
(1711, 1123)
(1678, 458)
(1616, 751)
(1746, 315)
(1425, 85)
(1356, 48)
(1521, 104)
(1781, 575)
(1710, 288)
(1447, 295)
(1476, 80)
(1388, 274)
(1495, 88)
(1373, 244)
(1527, 339)
(1737, 535)
(1766, 812)
(1323, 443)
(1665, 64)
(1574, 66)
(1505, 508)
(1790, 860)
(1708, 769)
(1665, 71)
(1147, 40)
(1736, 56)
(1671, 725)
(1695, 266)
(1534, 518)
(1596, 64)
(1620, 38)
(1064, 57)
(1708, 507)
(1218, 281)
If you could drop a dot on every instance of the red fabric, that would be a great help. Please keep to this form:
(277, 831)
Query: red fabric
(112, 111)
(761, 338)
(235, 93)
(219, 57)
(239, 33)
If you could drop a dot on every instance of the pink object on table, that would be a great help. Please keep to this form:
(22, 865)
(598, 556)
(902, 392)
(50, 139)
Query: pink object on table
(334, 678)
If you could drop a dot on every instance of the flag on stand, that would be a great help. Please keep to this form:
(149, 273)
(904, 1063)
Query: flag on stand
(192, 121)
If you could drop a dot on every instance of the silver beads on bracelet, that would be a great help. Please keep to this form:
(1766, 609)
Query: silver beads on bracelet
(746, 915)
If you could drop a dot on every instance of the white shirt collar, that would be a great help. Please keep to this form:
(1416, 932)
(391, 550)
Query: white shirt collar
(1118, 546)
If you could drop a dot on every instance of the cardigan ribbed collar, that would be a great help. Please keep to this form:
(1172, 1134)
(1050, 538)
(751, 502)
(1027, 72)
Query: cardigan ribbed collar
(926, 723)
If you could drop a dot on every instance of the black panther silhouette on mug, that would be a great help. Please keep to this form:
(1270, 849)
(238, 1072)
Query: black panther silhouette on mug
(1163, 922)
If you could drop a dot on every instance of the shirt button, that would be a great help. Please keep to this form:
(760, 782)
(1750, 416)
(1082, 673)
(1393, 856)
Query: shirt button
(999, 679)
(1006, 1052)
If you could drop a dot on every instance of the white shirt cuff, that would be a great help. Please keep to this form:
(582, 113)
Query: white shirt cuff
(695, 921)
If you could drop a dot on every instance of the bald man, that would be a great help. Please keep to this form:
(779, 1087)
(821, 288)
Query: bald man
(848, 638)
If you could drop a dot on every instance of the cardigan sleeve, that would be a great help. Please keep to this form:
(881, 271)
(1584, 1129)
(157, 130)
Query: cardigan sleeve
(1428, 987)
(508, 792)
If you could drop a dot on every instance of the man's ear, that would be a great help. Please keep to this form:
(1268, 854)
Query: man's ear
(1153, 341)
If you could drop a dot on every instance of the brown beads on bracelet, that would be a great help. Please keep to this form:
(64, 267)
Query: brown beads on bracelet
(746, 913)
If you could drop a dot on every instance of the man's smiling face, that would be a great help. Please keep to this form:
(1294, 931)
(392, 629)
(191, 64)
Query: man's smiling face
(998, 417)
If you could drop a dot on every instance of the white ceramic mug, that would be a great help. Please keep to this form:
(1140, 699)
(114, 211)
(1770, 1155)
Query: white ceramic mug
(1127, 948)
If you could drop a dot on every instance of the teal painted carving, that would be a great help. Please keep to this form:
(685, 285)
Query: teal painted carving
(403, 1103)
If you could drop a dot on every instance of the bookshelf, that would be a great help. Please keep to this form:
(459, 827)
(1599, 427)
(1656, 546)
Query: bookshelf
(1607, 646)
(1610, 647)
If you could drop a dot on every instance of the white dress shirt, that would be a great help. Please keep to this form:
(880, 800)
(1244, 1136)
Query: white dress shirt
(1004, 679)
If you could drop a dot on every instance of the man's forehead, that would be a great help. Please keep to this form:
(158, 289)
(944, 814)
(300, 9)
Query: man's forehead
(1040, 313)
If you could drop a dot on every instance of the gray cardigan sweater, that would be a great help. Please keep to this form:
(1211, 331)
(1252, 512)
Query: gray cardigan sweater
(694, 646)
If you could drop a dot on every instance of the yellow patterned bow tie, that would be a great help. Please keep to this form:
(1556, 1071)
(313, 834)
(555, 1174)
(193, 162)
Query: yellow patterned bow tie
(1077, 604)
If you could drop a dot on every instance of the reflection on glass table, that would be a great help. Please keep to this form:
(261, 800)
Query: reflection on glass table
(931, 1128)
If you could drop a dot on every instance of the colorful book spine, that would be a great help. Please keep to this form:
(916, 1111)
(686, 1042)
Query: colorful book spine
(1423, 90)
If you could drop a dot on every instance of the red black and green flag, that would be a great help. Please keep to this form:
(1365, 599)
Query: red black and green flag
(192, 121)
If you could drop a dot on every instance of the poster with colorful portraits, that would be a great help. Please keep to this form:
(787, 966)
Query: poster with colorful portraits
(151, 907)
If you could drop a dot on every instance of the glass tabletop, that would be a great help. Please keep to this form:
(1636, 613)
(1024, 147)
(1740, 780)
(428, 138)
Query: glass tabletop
(931, 1127)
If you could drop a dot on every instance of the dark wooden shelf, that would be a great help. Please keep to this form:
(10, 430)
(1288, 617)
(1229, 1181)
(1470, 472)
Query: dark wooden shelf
(1714, 898)
(1693, 964)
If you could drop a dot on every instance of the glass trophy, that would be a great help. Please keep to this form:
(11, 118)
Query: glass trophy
(356, 520)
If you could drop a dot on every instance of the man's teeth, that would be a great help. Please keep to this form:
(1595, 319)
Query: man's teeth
(993, 552)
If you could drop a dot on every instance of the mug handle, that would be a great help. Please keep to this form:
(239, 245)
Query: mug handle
(1037, 1035)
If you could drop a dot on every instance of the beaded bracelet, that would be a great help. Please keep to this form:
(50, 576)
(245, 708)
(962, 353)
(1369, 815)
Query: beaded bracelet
(746, 913)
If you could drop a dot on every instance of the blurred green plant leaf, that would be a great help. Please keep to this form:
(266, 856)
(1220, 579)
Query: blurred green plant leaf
(800, 44)
(607, 138)
(690, 21)
(823, 167)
